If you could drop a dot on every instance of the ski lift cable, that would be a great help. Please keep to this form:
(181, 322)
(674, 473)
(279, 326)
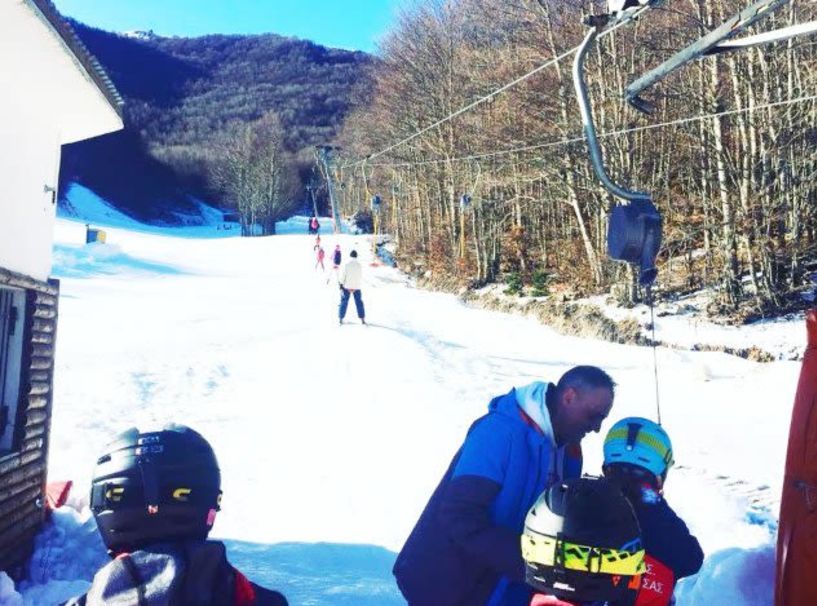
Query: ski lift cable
(615, 133)
(502, 89)
(651, 300)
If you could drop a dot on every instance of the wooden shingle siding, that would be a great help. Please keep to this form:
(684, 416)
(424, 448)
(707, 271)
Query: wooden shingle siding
(11, 278)
(23, 471)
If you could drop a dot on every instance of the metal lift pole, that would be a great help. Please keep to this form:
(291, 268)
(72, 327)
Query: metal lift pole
(589, 126)
(731, 28)
(634, 229)
(778, 35)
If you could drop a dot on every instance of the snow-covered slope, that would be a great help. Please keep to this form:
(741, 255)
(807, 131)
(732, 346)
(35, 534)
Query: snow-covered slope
(332, 438)
(83, 205)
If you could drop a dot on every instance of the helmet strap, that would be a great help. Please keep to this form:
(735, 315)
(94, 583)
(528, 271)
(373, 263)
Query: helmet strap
(659, 482)
(150, 484)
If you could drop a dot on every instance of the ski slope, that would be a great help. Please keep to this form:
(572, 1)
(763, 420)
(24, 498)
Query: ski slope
(331, 439)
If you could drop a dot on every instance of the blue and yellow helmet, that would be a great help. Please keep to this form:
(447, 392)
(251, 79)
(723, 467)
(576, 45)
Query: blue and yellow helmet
(641, 443)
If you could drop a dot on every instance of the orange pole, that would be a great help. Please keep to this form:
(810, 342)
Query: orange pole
(796, 570)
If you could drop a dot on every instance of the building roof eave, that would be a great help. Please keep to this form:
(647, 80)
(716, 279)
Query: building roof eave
(91, 65)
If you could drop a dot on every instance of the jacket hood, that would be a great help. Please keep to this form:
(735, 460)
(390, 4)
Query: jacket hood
(533, 400)
(189, 573)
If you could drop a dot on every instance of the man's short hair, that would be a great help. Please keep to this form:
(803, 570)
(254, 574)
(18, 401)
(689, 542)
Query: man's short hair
(585, 377)
(353, 253)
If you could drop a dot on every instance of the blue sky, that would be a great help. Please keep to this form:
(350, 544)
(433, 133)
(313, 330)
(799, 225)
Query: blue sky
(353, 24)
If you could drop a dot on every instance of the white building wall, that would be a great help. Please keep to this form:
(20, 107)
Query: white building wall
(46, 100)
(29, 161)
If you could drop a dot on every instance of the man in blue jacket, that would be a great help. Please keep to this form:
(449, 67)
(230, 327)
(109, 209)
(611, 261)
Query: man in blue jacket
(465, 548)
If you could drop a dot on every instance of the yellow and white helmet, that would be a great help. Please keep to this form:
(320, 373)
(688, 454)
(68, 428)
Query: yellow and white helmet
(582, 542)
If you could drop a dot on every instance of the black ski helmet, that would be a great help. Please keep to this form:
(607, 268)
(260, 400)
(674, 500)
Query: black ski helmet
(582, 542)
(155, 486)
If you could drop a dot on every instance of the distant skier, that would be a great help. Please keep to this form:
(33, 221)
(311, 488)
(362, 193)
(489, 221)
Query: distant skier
(317, 242)
(314, 226)
(320, 255)
(350, 280)
(637, 459)
(155, 496)
(336, 257)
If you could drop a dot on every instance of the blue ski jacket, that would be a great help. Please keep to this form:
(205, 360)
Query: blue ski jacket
(465, 549)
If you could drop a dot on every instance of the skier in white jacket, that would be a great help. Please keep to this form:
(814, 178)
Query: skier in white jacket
(350, 280)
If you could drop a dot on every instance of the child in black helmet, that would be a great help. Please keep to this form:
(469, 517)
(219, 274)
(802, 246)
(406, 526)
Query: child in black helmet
(154, 497)
(637, 458)
(582, 546)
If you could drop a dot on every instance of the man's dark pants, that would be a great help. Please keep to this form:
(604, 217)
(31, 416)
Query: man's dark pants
(344, 303)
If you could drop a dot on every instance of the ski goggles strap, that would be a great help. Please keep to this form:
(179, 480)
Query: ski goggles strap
(551, 551)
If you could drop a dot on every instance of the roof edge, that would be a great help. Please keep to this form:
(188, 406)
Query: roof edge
(89, 63)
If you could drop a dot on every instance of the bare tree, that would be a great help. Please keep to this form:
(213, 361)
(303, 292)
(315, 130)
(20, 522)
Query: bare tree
(737, 191)
(258, 175)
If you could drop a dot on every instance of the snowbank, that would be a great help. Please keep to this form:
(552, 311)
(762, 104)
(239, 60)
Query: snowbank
(731, 576)
(69, 552)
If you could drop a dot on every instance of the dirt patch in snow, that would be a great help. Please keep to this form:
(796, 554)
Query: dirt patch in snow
(588, 320)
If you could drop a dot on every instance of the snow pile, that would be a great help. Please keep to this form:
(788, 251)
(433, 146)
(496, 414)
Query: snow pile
(8, 596)
(731, 576)
(737, 537)
(67, 553)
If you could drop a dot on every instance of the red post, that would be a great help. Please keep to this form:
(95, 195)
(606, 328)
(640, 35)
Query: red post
(796, 570)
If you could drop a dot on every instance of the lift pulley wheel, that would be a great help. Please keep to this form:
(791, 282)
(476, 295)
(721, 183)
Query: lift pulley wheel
(634, 236)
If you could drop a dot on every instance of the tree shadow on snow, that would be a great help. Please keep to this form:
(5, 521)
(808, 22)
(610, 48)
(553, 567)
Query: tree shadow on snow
(103, 259)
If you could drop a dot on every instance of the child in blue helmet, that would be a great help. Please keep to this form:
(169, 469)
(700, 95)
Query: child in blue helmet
(637, 457)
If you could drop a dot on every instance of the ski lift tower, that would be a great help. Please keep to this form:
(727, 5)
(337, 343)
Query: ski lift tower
(325, 155)
(311, 186)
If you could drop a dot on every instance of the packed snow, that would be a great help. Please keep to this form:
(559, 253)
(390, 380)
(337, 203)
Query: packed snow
(331, 438)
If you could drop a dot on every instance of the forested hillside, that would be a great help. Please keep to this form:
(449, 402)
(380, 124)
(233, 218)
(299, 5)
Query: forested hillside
(186, 97)
(736, 190)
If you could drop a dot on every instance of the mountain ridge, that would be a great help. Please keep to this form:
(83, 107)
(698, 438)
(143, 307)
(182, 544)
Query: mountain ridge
(184, 95)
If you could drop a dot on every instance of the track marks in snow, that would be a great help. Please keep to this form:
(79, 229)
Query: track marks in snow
(153, 389)
(760, 500)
